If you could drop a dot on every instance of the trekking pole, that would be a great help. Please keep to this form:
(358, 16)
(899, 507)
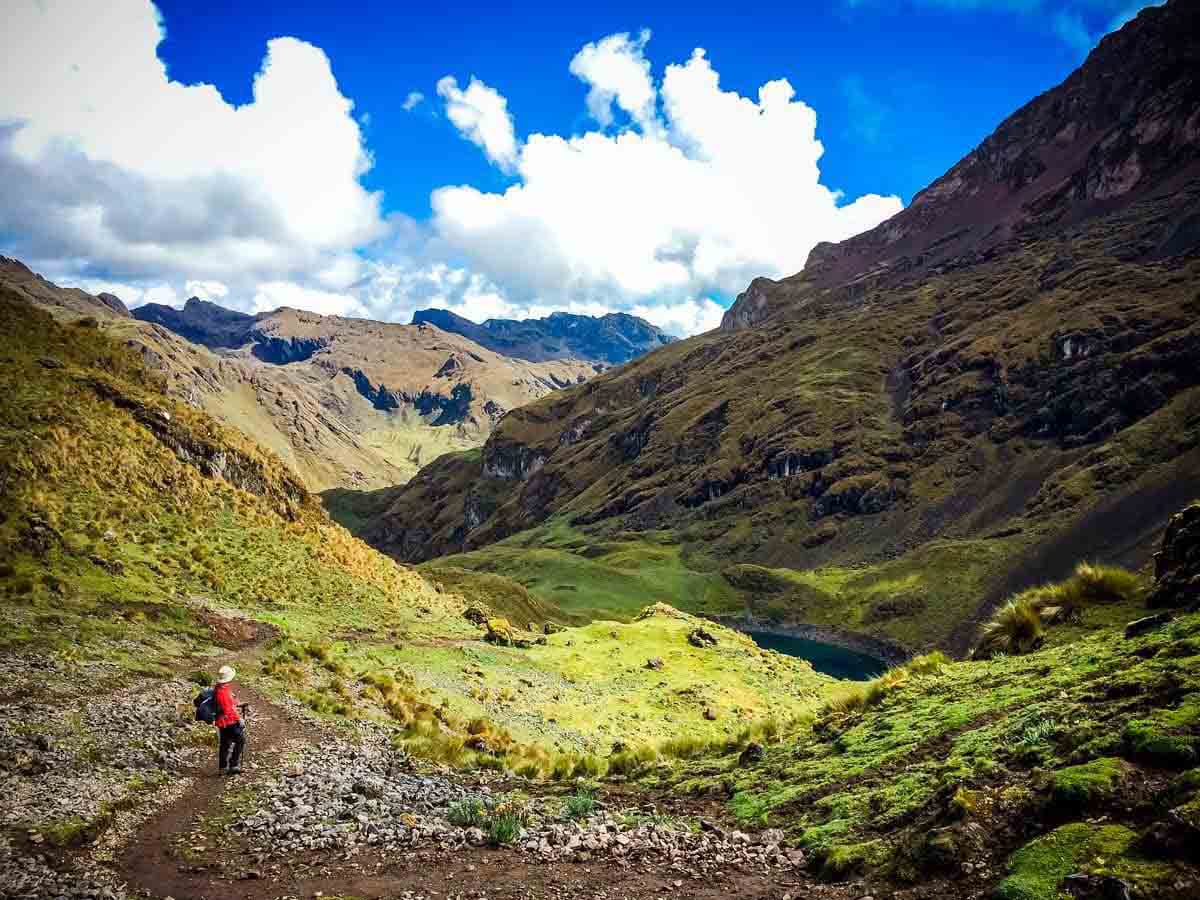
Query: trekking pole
(244, 710)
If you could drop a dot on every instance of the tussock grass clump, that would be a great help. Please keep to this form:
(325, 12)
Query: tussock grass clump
(927, 664)
(685, 747)
(588, 766)
(854, 697)
(632, 763)
(1019, 626)
(504, 828)
(1107, 584)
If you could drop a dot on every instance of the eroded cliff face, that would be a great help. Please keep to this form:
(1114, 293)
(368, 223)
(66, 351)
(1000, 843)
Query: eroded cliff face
(1014, 358)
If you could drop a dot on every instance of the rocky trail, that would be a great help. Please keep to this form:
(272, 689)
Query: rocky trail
(267, 834)
(325, 812)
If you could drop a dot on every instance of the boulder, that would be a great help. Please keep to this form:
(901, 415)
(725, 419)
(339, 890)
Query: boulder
(501, 631)
(1095, 887)
(1177, 563)
(700, 637)
(753, 753)
(1148, 623)
(476, 614)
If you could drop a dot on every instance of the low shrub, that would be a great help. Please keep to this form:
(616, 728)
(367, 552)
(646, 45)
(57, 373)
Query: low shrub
(504, 828)
(469, 813)
(580, 805)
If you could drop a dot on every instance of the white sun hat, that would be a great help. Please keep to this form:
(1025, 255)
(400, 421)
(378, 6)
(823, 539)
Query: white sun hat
(225, 674)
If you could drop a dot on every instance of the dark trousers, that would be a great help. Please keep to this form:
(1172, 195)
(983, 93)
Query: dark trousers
(229, 750)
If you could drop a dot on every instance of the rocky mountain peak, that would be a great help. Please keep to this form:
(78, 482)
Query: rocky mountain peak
(1122, 127)
(610, 339)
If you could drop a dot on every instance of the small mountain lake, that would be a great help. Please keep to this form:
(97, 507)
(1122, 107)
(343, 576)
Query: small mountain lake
(827, 658)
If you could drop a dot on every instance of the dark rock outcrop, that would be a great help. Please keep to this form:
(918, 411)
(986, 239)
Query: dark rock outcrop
(201, 322)
(1177, 564)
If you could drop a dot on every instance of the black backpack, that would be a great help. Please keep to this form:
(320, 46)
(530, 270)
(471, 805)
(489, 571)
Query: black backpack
(206, 706)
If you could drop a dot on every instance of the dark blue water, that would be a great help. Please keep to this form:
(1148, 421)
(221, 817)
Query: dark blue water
(836, 661)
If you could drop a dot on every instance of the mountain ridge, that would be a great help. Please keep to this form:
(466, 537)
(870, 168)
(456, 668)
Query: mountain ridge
(1096, 142)
(345, 402)
(613, 338)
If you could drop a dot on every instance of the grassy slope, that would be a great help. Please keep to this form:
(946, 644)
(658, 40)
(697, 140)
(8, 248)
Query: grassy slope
(112, 528)
(584, 578)
(589, 687)
(114, 474)
(122, 538)
(901, 785)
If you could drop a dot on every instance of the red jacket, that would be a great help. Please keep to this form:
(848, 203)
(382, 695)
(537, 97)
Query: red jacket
(227, 713)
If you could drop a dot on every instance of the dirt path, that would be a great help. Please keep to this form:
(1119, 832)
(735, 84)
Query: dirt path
(163, 860)
(172, 854)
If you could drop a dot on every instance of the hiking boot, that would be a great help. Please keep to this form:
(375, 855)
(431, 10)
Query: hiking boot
(234, 770)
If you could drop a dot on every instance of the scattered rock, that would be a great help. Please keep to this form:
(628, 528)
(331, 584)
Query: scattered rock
(700, 637)
(1096, 887)
(655, 663)
(501, 631)
(1148, 623)
(753, 753)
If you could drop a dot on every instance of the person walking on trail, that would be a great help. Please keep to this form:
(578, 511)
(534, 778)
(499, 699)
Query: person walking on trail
(230, 727)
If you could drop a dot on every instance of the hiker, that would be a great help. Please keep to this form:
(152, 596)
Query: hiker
(229, 723)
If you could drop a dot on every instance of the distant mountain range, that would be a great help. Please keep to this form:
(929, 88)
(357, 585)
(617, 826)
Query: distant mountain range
(348, 403)
(610, 340)
(614, 339)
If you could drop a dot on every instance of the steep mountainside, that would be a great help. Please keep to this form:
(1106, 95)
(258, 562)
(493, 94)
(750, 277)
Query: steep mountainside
(346, 402)
(968, 399)
(615, 338)
(1122, 128)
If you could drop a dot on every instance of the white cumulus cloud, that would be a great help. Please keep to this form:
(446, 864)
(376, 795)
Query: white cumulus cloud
(676, 208)
(618, 72)
(155, 190)
(131, 171)
(481, 114)
(274, 294)
(213, 291)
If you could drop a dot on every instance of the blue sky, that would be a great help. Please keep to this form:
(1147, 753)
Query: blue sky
(455, 200)
(902, 90)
